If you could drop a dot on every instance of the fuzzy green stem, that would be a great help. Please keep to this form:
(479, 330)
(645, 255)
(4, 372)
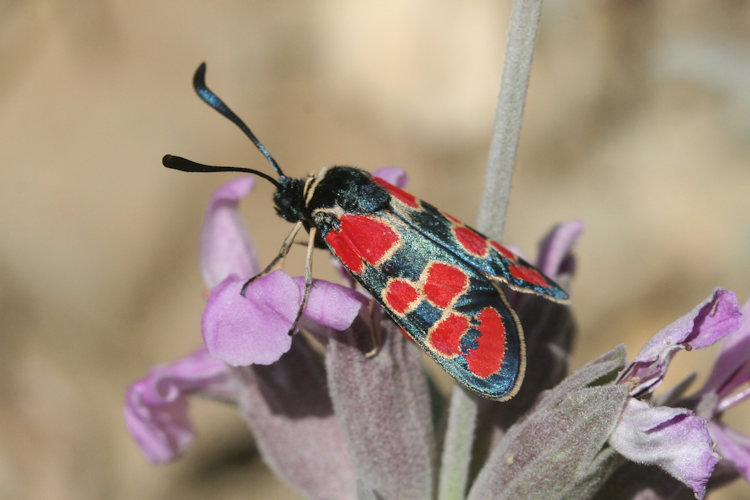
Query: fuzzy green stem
(524, 21)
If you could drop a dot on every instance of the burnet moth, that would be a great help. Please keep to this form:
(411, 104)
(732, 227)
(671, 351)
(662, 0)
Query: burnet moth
(438, 279)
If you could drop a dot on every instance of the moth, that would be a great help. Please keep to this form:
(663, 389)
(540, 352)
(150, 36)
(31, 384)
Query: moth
(438, 279)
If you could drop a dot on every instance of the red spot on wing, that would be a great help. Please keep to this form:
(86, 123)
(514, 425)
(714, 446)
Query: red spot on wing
(487, 358)
(445, 336)
(528, 274)
(343, 249)
(502, 250)
(444, 283)
(473, 242)
(402, 195)
(399, 295)
(372, 238)
(361, 238)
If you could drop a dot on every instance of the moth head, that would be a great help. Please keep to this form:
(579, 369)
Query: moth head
(288, 199)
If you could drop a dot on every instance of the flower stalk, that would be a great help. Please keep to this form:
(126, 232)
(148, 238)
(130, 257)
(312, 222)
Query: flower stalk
(524, 22)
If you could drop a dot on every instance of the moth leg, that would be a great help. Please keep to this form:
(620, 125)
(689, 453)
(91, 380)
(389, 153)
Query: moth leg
(308, 279)
(375, 333)
(279, 257)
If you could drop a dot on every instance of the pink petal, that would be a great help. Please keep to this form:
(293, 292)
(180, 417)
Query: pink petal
(226, 246)
(394, 175)
(718, 318)
(735, 351)
(672, 438)
(707, 323)
(255, 328)
(331, 305)
(156, 406)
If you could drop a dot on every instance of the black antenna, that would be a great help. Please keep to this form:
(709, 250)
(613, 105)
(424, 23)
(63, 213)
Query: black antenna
(207, 95)
(180, 163)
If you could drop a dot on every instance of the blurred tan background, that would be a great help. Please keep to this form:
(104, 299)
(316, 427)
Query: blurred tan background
(638, 122)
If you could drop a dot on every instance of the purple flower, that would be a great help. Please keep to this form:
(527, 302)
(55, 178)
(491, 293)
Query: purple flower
(254, 328)
(705, 325)
(238, 329)
(230, 318)
(725, 388)
(156, 406)
(226, 246)
(672, 438)
(675, 439)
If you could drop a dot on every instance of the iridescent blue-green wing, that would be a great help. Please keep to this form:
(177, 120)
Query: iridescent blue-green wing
(489, 257)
